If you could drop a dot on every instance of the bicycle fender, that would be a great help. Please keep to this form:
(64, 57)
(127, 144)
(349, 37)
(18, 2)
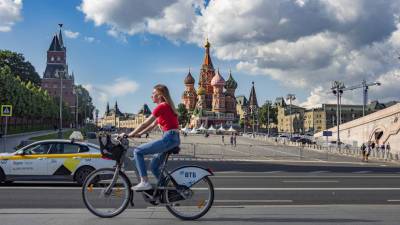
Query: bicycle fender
(189, 175)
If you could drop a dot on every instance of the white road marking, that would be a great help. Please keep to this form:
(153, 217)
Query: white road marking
(251, 201)
(363, 171)
(320, 171)
(310, 181)
(393, 200)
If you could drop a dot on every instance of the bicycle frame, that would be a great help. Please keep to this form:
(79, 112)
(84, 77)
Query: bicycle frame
(155, 192)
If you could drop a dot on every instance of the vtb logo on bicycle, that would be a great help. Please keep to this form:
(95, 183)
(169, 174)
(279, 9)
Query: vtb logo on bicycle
(188, 174)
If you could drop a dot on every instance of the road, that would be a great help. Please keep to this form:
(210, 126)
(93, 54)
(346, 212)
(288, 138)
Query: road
(247, 183)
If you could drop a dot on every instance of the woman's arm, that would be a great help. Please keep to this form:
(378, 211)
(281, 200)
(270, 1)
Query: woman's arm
(149, 128)
(148, 122)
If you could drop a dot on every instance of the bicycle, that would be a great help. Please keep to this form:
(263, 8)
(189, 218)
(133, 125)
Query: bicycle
(187, 191)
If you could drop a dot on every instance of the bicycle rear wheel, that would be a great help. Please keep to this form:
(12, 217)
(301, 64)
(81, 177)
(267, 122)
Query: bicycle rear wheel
(96, 198)
(190, 203)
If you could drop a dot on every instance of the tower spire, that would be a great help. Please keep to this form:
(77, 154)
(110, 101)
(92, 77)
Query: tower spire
(253, 98)
(60, 38)
(207, 57)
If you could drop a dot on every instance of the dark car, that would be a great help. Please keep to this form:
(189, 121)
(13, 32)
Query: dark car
(305, 141)
(294, 139)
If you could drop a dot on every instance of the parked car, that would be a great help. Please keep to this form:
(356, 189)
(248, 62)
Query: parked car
(305, 141)
(52, 160)
(295, 138)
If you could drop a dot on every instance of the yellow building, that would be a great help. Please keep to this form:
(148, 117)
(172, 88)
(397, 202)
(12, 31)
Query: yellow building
(115, 118)
(301, 120)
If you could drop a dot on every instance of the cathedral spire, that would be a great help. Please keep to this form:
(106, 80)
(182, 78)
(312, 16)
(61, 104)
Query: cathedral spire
(253, 98)
(207, 58)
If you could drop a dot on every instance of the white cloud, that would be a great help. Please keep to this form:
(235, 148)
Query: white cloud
(89, 39)
(10, 13)
(71, 34)
(103, 93)
(299, 43)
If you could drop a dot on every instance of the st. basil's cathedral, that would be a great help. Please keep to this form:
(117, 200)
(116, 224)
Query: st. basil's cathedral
(214, 102)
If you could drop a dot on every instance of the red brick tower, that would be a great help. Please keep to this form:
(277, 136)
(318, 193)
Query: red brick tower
(206, 74)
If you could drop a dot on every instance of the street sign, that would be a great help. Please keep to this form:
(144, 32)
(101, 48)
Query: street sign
(326, 133)
(6, 110)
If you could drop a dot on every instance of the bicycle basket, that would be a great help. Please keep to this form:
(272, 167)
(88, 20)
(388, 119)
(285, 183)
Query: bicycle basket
(110, 150)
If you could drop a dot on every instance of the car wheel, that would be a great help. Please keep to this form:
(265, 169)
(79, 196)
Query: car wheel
(82, 173)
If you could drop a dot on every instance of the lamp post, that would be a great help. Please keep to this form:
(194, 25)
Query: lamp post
(290, 98)
(268, 105)
(77, 92)
(60, 74)
(337, 89)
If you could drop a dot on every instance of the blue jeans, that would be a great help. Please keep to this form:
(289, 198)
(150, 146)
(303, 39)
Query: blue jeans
(169, 140)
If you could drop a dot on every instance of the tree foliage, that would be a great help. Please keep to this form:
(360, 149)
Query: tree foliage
(183, 116)
(20, 87)
(263, 113)
(19, 67)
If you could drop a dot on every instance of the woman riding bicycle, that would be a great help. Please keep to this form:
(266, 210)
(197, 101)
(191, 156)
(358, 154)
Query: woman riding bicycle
(166, 116)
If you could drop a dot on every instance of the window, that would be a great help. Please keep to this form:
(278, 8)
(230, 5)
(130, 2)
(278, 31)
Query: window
(37, 149)
(56, 148)
(71, 148)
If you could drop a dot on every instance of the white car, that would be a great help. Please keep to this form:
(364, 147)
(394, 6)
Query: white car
(52, 160)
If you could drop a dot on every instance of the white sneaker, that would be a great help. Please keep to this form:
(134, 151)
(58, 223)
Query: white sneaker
(142, 186)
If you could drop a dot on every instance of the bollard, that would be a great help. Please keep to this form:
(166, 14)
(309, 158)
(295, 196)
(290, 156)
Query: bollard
(194, 150)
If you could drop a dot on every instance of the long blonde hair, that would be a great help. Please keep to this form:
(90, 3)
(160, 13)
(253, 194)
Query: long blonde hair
(164, 92)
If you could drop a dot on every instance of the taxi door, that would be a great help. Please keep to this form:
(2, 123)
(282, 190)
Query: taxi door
(63, 159)
(33, 162)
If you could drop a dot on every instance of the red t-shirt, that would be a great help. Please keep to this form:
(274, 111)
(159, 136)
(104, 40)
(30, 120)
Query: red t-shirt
(166, 118)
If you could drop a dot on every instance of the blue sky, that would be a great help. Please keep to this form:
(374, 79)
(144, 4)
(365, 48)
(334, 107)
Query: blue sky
(126, 47)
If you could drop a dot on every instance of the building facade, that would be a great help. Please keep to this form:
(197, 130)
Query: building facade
(301, 120)
(380, 127)
(56, 67)
(114, 117)
(214, 102)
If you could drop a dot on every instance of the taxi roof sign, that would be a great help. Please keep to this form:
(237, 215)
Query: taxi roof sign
(6, 110)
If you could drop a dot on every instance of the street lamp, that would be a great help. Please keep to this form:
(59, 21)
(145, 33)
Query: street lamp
(337, 89)
(60, 74)
(290, 98)
(268, 105)
(77, 92)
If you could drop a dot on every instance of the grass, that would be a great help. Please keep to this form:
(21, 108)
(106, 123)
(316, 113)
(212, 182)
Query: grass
(66, 135)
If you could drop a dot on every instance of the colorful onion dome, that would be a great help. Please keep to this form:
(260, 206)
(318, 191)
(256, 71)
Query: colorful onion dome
(201, 91)
(189, 78)
(217, 80)
(231, 83)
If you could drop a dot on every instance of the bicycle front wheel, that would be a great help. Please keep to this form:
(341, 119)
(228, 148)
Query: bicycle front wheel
(190, 203)
(102, 197)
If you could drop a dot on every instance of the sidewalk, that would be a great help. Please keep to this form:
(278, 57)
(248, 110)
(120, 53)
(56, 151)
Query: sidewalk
(229, 215)
(353, 152)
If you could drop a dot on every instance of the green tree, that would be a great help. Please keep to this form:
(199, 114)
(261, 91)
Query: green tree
(183, 116)
(263, 113)
(19, 67)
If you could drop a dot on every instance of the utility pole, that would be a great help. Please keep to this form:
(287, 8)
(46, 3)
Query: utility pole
(60, 74)
(268, 105)
(337, 89)
(290, 98)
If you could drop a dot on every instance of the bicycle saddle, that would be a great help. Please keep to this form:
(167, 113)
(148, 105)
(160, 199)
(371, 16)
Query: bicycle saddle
(175, 150)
